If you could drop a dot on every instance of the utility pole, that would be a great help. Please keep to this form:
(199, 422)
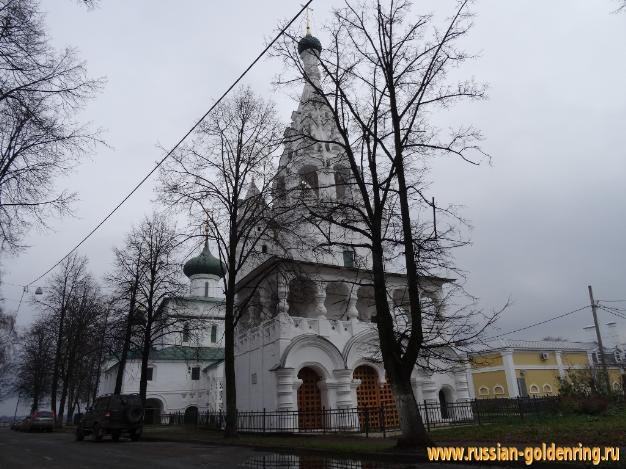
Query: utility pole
(605, 371)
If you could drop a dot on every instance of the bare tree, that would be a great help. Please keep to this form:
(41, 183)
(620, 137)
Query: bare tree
(33, 371)
(385, 71)
(153, 247)
(125, 279)
(59, 294)
(40, 93)
(8, 342)
(225, 178)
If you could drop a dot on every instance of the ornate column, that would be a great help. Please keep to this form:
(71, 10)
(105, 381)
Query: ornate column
(287, 385)
(283, 293)
(470, 380)
(352, 313)
(320, 298)
(462, 384)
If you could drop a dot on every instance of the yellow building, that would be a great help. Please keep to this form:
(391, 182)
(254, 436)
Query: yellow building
(521, 368)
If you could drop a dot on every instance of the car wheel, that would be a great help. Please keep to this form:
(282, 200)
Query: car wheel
(135, 435)
(115, 436)
(134, 414)
(80, 435)
(98, 432)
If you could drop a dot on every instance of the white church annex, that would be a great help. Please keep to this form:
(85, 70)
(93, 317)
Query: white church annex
(185, 369)
(307, 339)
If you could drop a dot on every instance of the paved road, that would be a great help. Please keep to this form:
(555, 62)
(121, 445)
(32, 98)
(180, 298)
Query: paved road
(59, 450)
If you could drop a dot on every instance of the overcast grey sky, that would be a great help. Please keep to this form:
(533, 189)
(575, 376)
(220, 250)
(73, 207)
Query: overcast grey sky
(548, 215)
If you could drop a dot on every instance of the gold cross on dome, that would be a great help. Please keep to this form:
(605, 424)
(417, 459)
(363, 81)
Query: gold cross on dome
(308, 19)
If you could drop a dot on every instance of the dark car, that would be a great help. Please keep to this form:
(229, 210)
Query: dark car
(23, 425)
(112, 415)
(41, 420)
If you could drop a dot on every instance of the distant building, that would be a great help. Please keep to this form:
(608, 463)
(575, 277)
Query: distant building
(522, 368)
(185, 370)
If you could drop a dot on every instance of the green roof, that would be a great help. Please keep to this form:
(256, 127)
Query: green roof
(183, 352)
(309, 42)
(205, 263)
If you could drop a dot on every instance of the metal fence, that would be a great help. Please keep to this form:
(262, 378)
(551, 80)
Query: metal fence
(368, 420)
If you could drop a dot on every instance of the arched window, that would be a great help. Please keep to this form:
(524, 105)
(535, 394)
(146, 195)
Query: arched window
(308, 181)
(341, 183)
(498, 390)
(547, 389)
(213, 333)
(483, 391)
(534, 389)
(206, 289)
(616, 386)
(186, 332)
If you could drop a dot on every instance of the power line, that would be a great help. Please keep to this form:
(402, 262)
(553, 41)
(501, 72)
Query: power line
(614, 311)
(538, 323)
(158, 165)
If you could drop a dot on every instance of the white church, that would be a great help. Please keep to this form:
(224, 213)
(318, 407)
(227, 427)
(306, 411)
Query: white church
(307, 339)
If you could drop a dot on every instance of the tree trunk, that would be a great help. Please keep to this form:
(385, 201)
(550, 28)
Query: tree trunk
(229, 366)
(145, 355)
(119, 379)
(57, 359)
(413, 433)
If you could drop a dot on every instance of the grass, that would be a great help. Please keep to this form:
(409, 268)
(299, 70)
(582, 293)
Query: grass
(601, 430)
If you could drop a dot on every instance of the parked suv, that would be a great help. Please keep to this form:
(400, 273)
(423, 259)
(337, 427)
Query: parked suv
(112, 415)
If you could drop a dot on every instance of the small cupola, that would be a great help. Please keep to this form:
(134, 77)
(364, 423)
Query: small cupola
(204, 264)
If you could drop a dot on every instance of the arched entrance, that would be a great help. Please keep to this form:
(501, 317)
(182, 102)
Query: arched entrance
(152, 411)
(309, 400)
(443, 404)
(191, 415)
(446, 398)
(375, 400)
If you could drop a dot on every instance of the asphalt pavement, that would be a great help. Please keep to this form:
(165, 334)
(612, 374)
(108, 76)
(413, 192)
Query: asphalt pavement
(59, 450)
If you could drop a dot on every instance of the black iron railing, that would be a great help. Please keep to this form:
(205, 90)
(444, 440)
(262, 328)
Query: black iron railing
(366, 420)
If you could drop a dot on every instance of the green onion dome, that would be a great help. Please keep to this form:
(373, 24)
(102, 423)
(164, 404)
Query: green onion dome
(309, 42)
(205, 263)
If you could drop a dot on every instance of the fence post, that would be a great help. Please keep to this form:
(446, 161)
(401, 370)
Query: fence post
(323, 419)
(476, 407)
(519, 406)
(382, 420)
(426, 412)
(263, 419)
(367, 422)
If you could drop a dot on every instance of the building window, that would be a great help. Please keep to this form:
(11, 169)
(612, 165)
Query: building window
(483, 391)
(341, 183)
(534, 389)
(213, 333)
(308, 181)
(264, 248)
(498, 390)
(348, 258)
(185, 332)
(149, 373)
(547, 389)
(206, 289)
(195, 373)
